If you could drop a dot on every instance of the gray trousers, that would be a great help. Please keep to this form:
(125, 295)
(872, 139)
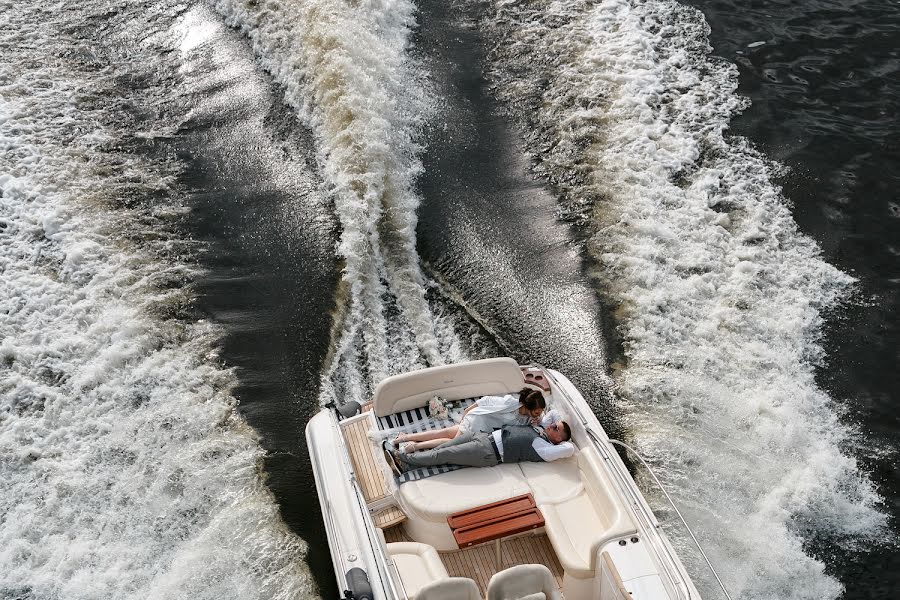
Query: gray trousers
(467, 449)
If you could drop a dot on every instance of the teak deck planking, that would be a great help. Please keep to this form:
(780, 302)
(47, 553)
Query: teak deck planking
(478, 562)
(368, 474)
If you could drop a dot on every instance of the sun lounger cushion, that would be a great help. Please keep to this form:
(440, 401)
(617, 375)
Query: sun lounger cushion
(553, 482)
(416, 420)
(436, 498)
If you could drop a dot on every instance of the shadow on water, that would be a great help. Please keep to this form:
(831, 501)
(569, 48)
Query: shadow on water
(267, 239)
(489, 230)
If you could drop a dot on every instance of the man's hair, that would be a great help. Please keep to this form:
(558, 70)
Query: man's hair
(568, 431)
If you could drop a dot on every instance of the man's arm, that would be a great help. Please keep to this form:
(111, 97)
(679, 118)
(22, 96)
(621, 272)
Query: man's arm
(549, 451)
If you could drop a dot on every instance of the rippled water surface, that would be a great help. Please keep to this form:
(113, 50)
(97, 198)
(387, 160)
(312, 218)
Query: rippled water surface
(689, 208)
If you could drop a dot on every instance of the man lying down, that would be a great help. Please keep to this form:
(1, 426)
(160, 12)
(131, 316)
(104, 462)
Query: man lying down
(509, 444)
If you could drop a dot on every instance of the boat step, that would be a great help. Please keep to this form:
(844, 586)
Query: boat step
(388, 517)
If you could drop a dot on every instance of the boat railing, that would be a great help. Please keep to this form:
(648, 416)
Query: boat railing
(642, 510)
(382, 558)
(650, 525)
(677, 512)
(337, 554)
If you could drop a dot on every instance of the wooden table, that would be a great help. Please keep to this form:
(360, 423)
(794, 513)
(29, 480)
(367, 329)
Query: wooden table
(495, 521)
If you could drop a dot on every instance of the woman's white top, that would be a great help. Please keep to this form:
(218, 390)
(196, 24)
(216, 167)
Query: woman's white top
(493, 412)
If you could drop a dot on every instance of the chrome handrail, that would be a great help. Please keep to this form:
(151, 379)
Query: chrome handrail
(374, 543)
(677, 512)
(672, 567)
(653, 522)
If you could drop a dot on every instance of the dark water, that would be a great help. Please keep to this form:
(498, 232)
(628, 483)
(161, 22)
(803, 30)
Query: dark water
(825, 92)
(260, 210)
(488, 233)
(488, 228)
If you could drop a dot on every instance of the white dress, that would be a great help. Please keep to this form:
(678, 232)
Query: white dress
(493, 412)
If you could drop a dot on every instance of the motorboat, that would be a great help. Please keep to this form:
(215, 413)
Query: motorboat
(576, 528)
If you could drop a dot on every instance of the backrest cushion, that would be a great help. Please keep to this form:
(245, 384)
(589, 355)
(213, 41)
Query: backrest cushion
(453, 382)
(521, 581)
(451, 588)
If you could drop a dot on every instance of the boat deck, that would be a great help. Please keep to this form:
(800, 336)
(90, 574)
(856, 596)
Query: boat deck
(478, 562)
(369, 476)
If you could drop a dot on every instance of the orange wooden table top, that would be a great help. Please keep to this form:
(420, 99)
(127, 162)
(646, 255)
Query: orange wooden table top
(494, 521)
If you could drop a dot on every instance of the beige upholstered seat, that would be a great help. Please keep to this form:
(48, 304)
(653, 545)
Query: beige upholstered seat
(418, 565)
(553, 482)
(452, 588)
(532, 582)
(579, 526)
(436, 498)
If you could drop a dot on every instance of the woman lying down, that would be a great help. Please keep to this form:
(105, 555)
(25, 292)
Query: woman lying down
(487, 414)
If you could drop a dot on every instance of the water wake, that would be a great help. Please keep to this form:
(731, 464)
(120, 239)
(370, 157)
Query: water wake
(125, 471)
(718, 296)
(346, 70)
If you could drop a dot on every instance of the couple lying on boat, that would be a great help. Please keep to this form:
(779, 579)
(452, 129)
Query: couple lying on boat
(494, 430)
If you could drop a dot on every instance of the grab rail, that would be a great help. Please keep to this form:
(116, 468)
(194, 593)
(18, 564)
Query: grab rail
(600, 447)
(677, 512)
(642, 511)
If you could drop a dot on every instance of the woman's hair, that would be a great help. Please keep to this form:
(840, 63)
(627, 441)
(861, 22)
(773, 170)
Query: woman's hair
(532, 399)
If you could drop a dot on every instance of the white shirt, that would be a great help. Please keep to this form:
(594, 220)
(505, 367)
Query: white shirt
(492, 404)
(493, 412)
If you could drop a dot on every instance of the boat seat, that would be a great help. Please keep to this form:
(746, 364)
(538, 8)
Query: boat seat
(531, 582)
(452, 588)
(552, 482)
(435, 498)
(454, 382)
(579, 526)
(418, 564)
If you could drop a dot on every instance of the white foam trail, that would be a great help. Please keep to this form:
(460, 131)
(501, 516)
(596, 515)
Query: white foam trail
(124, 470)
(719, 296)
(345, 68)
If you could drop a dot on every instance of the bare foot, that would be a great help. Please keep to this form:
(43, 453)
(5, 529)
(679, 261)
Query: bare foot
(410, 447)
(398, 439)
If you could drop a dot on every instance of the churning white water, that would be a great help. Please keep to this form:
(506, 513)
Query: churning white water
(347, 71)
(124, 470)
(718, 296)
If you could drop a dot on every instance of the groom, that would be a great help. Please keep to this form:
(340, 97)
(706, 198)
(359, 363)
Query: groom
(509, 444)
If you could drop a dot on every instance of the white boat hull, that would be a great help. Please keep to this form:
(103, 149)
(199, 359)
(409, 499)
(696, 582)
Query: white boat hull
(631, 556)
